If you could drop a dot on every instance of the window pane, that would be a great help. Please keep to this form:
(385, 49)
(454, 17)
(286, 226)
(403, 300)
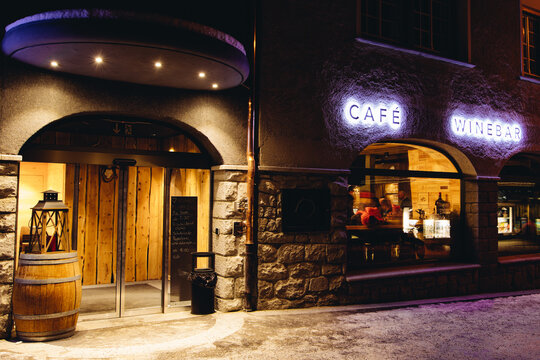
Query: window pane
(518, 215)
(425, 6)
(531, 25)
(425, 22)
(437, 9)
(395, 156)
(373, 7)
(382, 19)
(397, 221)
(373, 26)
(414, 24)
(534, 67)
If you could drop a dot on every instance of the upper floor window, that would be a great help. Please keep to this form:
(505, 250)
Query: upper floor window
(531, 34)
(435, 26)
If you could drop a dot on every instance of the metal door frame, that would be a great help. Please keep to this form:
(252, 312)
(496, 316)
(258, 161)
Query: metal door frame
(120, 286)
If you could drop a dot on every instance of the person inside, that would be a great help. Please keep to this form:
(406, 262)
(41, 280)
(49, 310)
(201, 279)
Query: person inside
(404, 200)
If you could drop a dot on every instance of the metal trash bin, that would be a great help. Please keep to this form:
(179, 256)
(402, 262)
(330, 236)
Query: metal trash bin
(203, 281)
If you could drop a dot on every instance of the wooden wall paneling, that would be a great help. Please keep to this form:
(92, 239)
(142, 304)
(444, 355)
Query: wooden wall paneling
(48, 138)
(203, 210)
(143, 223)
(179, 143)
(155, 245)
(105, 231)
(69, 194)
(191, 147)
(105, 141)
(92, 213)
(153, 144)
(130, 143)
(131, 213)
(142, 143)
(117, 142)
(81, 216)
(63, 138)
(203, 213)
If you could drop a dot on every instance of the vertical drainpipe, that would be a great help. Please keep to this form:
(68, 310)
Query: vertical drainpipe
(250, 263)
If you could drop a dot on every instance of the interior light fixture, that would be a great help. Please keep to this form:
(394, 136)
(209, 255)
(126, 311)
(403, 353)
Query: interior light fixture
(54, 63)
(158, 64)
(214, 86)
(98, 59)
(202, 75)
(171, 149)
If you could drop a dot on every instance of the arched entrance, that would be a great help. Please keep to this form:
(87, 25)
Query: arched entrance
(406, 207)
(139, 198)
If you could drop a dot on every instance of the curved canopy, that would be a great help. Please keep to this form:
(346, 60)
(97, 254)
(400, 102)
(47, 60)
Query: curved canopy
(125, 46)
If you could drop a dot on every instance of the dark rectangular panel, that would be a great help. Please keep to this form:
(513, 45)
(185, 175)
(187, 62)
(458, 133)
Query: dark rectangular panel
(183, 243)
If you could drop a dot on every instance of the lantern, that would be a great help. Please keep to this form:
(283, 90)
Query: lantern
(48, 227)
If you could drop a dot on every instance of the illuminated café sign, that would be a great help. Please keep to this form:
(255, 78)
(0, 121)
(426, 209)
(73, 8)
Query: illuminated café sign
(370, 114)
(486, 129)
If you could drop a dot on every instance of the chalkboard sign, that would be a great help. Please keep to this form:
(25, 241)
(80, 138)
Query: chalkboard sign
(183, 244)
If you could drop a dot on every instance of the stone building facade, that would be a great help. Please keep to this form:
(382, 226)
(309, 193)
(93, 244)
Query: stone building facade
(311, 60)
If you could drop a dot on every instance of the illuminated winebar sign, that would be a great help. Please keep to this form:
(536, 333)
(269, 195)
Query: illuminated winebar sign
(370, 114)
(486, 129)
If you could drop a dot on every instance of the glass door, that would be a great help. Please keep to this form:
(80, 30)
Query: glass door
(189, 221)
(134, 229)
(119, 237)
(143, 238)
(92, 195)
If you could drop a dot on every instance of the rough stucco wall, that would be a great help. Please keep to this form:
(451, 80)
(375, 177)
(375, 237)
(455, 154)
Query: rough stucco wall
(302, 107)
(33, 98)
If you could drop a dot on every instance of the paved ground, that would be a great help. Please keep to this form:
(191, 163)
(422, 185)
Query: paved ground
(497, 328)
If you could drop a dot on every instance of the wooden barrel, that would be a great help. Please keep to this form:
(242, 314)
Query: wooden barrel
(46, 296)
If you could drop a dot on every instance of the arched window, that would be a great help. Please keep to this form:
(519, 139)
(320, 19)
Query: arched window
(518, 213)
(405, 206)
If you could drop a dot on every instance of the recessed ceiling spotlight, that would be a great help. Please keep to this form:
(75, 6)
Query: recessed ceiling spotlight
(202, 75)
(214, 86)
(98, 59)
(54, 63)
(158, 64)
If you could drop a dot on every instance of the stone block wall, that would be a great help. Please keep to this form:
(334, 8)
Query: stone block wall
(300, 269)
(9, 171)
(229, 201)
(306, 269)
(420, 286)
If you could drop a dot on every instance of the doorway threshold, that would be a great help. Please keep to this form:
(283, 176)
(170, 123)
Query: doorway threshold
(108, 320)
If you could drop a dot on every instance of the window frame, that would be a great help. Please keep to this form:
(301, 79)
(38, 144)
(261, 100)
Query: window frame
(526, 43)
(510, 182)
(459, 23)
(457, 242)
